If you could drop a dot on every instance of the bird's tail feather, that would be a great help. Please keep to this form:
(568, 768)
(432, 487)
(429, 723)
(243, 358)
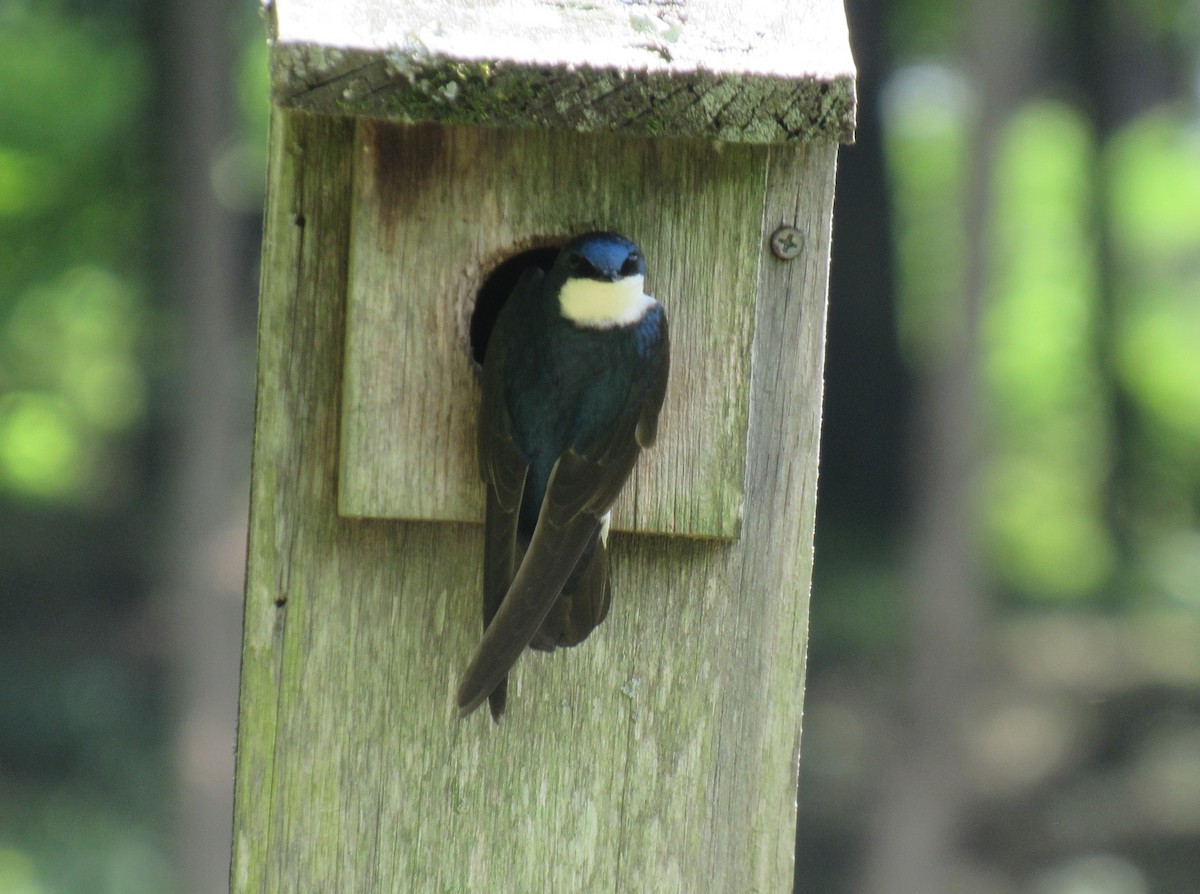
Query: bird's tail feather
(552, 556)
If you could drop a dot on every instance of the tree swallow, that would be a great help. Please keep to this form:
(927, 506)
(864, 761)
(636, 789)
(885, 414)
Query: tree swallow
(574, 376)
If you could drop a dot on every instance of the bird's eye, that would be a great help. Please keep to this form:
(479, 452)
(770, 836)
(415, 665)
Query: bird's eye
(630, 267)
(580, 266)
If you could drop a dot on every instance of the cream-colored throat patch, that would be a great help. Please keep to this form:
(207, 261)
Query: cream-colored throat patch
(602, 305)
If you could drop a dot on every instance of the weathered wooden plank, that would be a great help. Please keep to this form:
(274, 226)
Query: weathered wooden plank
(758, 71)
(436, 207)
(659, 756)
(300, 339)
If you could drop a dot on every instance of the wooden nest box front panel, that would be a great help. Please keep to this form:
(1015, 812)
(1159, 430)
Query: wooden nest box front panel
(436, 208)
(521, 124)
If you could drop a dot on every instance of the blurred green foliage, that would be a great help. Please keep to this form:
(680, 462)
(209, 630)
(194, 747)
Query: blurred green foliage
(82, 766)
(1080, 729)
(73, 219)
(71, 354)
(1047, 439)
(1049, 427)
(1154, 176)
(87, 337)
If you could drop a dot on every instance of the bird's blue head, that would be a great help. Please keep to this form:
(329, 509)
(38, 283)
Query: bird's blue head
(606, 257)
(603, 279)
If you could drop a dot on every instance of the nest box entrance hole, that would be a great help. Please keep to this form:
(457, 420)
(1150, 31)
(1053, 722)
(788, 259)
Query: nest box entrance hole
(496, 289)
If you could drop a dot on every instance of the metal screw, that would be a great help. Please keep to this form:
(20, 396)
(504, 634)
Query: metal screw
(786, 243)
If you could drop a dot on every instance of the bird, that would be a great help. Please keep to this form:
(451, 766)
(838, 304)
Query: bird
(574, 376)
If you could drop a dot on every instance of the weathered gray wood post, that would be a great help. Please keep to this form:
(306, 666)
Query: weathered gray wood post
(412, 150)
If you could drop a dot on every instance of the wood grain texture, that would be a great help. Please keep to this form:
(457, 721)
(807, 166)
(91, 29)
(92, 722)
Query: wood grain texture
(661, 755)
(436, 207)
(757, 71)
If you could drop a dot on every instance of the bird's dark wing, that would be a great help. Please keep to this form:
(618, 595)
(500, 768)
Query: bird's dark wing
(553, 552)
(502, 469)
(583, 485)
(583, 604)
(647, 428)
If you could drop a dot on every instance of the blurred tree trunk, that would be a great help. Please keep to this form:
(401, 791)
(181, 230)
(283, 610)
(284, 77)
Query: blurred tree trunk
(914, 844)
(211, 456)
(1120, 71)
(867, 388)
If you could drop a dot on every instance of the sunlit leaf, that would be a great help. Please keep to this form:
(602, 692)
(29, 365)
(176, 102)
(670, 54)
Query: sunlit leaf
(28, 183)
(1047, 436)
(1154, 169)
(74, 342)
(1044, 525)
(41, 449)
(18, 875)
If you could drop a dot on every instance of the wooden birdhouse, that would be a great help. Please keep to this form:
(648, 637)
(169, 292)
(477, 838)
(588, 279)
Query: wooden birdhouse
(421, 155)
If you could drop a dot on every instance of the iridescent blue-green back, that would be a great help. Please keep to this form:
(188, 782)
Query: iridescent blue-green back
(570, 384)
